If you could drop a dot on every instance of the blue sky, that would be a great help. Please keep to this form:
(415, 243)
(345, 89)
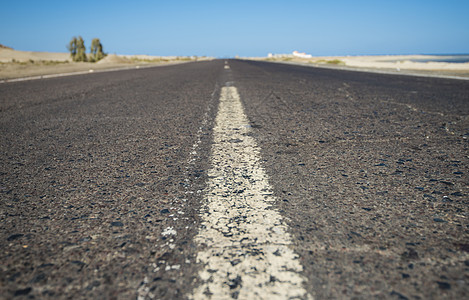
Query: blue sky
(247, 28)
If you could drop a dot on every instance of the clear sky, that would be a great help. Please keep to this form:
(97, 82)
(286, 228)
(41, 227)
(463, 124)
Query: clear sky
(225, 28)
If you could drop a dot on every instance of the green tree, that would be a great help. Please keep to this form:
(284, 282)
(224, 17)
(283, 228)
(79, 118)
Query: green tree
(96, 50)
(72, 47)
(81, 50)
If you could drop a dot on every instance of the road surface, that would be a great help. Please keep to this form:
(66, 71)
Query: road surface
(234, 179)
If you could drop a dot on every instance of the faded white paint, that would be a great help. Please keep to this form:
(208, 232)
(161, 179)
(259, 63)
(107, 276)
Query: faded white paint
(245, 248)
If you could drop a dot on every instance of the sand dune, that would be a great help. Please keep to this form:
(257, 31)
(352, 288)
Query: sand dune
(402, 62)
(113, 59)
(8, 55)
(385, 63)
(16, 64)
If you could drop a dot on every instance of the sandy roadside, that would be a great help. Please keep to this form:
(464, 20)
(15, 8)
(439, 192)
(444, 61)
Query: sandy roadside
(22, 64)
(8, 55)
(10, 71)
(400, 64)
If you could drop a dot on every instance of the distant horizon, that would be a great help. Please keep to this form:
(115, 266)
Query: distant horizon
(244, 28)
(286, 53)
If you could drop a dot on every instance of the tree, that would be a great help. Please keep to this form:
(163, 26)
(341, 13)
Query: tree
(96, 50)
(81, 50)
(72, 47)
(77, 49)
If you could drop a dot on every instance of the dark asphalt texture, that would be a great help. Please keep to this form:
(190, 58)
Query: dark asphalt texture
(370, 172)
(94, 169)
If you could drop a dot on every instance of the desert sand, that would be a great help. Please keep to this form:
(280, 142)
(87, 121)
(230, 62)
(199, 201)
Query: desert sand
(388, 63)
(402, 62)
(20, 64)
(24, 64)
(8, 55)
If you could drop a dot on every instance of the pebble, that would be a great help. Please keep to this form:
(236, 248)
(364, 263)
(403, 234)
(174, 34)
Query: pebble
(429, 196)
(14, 236)
(444, 285)
(93, 285)
(446, 199)
(23, 292)
(447, 182)
(399, 295)
(38, 278)
(78, 262)
(410, 254)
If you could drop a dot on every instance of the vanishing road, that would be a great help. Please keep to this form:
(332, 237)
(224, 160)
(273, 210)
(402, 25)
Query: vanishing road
(234, 180)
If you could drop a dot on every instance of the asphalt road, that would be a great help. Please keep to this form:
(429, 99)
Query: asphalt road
(102, 179)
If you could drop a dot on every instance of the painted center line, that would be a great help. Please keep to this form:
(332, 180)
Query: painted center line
(244, 244)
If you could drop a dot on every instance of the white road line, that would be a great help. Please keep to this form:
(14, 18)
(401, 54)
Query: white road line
(245, 247)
